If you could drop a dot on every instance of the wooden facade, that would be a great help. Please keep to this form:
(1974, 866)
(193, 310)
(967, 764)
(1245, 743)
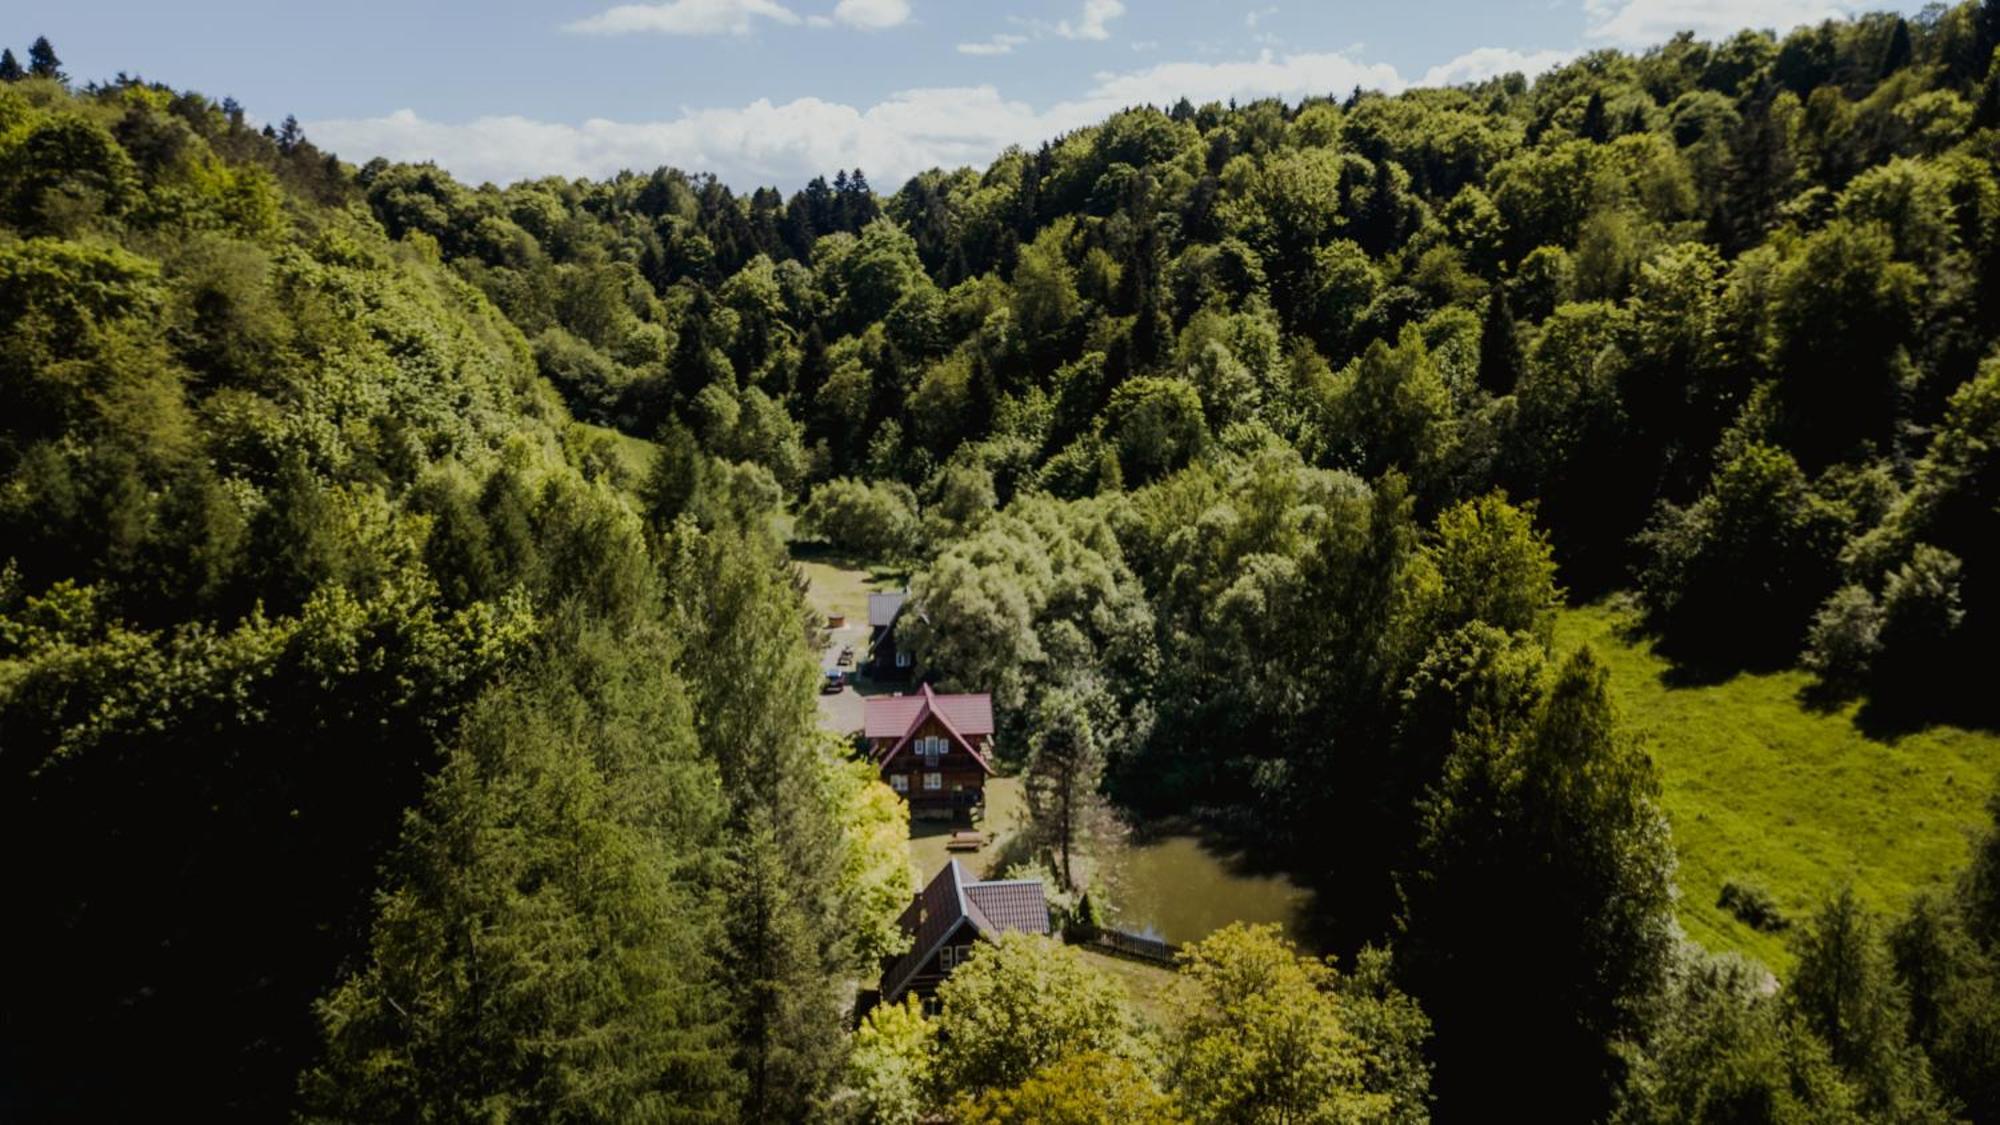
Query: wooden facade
(887, 660)
(933, 750)
(935, 774)
(946, 919)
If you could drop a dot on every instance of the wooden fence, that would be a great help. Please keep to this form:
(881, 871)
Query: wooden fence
(1137, 947)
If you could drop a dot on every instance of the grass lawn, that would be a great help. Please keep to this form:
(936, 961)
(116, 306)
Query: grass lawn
(1760, 787)
(1145, 984)
(1004, 815)
(842, 586)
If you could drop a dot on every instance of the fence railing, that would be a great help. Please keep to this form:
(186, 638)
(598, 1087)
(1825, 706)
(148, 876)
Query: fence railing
(1137, 946)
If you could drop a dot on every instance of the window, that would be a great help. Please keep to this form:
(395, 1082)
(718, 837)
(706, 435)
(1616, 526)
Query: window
(932, 749)
(951, 956)
(933, 781)
(900, 782)
(902, 659)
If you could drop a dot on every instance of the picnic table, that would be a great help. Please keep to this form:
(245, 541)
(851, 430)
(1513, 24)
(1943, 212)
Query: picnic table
(965, 841)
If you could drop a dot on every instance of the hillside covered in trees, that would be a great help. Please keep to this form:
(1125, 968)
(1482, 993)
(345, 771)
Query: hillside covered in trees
(374, 744)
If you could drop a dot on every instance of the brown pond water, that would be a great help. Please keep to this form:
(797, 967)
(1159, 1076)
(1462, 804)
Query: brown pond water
(1182, 890)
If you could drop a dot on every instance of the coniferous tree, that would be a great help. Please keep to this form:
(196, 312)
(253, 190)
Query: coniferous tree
(1553, 817)
(1499, 346)
(10, 67)
(42, 60)
(544, 949)
(1896, 53)
(1596, 125)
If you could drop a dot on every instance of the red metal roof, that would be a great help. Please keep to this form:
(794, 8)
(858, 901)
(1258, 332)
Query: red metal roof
(893, 716)
(927, 703)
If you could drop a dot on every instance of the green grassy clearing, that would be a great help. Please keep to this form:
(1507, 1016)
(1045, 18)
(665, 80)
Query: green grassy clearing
(1145, 984)
(1760, 787)
(633, 456)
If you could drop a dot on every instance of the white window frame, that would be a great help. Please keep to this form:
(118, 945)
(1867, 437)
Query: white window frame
(934, 782)
(900, 782)
(902, 658)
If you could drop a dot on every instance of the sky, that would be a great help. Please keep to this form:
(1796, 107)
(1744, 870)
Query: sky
(777, 91)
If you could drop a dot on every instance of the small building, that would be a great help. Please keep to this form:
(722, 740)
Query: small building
(934, 750)
(948, 916)
(887, 660)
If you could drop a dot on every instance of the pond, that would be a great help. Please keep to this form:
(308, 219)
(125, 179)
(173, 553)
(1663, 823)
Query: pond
(1182, 889)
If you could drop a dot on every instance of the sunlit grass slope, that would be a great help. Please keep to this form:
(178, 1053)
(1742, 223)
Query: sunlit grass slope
(1761, 787)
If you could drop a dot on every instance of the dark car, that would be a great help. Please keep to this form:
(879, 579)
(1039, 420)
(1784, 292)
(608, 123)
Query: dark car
(834, 681)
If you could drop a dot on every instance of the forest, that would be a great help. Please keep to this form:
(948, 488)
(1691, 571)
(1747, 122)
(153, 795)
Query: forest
(378, 742)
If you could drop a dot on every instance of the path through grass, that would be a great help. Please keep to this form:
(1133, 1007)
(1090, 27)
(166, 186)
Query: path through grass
(1760, 787)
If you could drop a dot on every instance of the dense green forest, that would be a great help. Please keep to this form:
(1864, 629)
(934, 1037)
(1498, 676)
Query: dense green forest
(375, 744)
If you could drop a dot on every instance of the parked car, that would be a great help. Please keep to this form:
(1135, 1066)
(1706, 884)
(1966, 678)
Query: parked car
(834, 681)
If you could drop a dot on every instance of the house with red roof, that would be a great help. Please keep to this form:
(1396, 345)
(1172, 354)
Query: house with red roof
(948, 916)
(934, 750)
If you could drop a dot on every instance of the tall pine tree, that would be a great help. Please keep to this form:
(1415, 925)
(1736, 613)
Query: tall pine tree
(1499, 346)
(42, 60)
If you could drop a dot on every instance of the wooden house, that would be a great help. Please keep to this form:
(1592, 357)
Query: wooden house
(934, 750)
(887, 660)
(948, 916)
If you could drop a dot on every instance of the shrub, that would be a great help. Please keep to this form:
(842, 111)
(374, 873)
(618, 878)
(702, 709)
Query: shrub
(878, 520)
(1846, 635)
(1753, 906)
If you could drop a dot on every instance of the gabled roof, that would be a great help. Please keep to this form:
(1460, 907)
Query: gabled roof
(953, 900)
(893, 716)
(928, 704)
(1010, 906)
(883, 608)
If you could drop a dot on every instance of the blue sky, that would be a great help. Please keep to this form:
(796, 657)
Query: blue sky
(775, 91)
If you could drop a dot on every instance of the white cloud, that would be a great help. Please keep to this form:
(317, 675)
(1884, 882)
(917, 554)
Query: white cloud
(1490, 62)
(1643, 23)
(767, 143)
(998, 45)
(1091, 23)
(872, 15)
(1267, 76)
(1255, 16)
(685, 17)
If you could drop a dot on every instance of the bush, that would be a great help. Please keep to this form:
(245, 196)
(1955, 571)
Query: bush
(1753, 906)
(878, 520)
(1846, 635)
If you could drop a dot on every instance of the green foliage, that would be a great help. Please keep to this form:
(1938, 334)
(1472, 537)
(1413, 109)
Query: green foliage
(890, 1066)
(1728, 1050)
(1844, 989)
(543, 946)
(1020, 1005)
(872, 520)
(1554, 816)
(1261, 1033)
(1210, 412)
(1092, 1088)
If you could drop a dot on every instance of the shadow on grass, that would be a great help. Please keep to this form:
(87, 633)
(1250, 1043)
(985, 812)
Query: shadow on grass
(807, 550)
(1702, 662)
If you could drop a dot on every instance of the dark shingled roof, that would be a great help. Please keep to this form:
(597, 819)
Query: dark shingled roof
(1012, 906)
(1000, 907)
(883, 608)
